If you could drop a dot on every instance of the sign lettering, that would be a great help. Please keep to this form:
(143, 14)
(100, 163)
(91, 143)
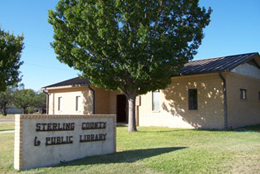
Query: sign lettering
(63, 140)
(92, 137)
(54, 127)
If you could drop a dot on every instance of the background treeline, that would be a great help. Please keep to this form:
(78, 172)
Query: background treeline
(28, 100)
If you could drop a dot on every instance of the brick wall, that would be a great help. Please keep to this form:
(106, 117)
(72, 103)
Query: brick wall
(105, 101)
(69, 100)
(243, 112)
(174, 111)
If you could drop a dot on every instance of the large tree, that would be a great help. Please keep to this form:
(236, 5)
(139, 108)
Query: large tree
(24, 98)
(40, 101)
(133, 46)
(6, 98)
(10, 53)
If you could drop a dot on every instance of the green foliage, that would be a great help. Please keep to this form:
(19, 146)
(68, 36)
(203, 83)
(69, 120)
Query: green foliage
(6, 98)
(29, 100)
(24, 98)
(133, 46)
(40, 100)
(30, 110)
(10, 54)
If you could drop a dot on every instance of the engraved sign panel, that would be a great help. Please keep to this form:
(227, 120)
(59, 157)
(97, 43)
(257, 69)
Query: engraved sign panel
(46, 140)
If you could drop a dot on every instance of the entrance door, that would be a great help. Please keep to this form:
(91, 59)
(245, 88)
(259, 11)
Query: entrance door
(121, 109)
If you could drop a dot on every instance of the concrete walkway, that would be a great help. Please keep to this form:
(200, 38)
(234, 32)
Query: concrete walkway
(6, 120)
(6, 132)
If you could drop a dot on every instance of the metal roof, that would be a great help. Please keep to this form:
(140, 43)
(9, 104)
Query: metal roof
(220, 64)
(71, 82)
(213, 65)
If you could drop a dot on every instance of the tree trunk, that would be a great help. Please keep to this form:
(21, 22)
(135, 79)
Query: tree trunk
(131, 113)
(24, 111)
(4, 110)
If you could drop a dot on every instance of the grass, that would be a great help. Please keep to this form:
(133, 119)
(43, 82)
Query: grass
(161, 150)
(6, 126)
(9, 116)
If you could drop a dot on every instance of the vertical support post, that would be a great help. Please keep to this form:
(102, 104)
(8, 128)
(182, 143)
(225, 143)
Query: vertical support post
(94, 99)
(18, 142)
(225, 100)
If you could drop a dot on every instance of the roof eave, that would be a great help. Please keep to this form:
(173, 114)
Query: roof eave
(201, 73)
(248, 59)
(63, 87)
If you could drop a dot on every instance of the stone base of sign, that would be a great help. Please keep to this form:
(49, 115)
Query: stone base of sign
(47, 140)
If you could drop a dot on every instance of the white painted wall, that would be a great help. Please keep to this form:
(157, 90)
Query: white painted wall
(247, 70)
(69, 102)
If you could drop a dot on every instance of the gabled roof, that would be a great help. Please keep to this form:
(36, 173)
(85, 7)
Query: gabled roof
(214, 65)
(71, 82)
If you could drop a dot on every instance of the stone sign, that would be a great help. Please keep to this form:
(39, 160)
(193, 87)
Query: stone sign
(47, 140)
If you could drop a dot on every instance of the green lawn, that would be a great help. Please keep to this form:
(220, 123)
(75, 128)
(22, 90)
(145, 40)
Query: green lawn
(6, 126)
(9, 116)
(161, 150)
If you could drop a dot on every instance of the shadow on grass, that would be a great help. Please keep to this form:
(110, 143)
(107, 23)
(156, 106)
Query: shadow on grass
(2, 130)
(253, 128)
(122, 157)
(121, 125)
(165, 131)
(182, 130)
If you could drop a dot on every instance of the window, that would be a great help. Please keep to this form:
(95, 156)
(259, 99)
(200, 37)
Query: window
(243, 94)
(78, 103)
(59, 103)
(193, 99)
(156, 100)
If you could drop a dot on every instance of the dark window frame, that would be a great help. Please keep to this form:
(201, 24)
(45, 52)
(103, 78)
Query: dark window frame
(77, 103)
(193, 99)
(243, 94)
(59, 103)
(153, 105)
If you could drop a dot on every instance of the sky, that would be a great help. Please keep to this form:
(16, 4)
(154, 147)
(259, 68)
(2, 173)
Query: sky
(234, 29)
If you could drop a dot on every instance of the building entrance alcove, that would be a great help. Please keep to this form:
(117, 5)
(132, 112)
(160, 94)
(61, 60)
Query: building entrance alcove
(121, 109)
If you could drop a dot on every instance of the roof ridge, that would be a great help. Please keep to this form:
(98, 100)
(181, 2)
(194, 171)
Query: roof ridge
(222, 57)
(219, 64)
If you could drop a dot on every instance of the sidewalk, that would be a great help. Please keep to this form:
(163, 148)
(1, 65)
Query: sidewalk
(6, 120)
(6, 132)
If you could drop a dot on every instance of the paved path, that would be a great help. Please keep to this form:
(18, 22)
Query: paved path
(6, 120)
(6, 132)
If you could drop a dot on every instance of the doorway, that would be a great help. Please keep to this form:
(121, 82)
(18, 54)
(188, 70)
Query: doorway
(121, 109)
